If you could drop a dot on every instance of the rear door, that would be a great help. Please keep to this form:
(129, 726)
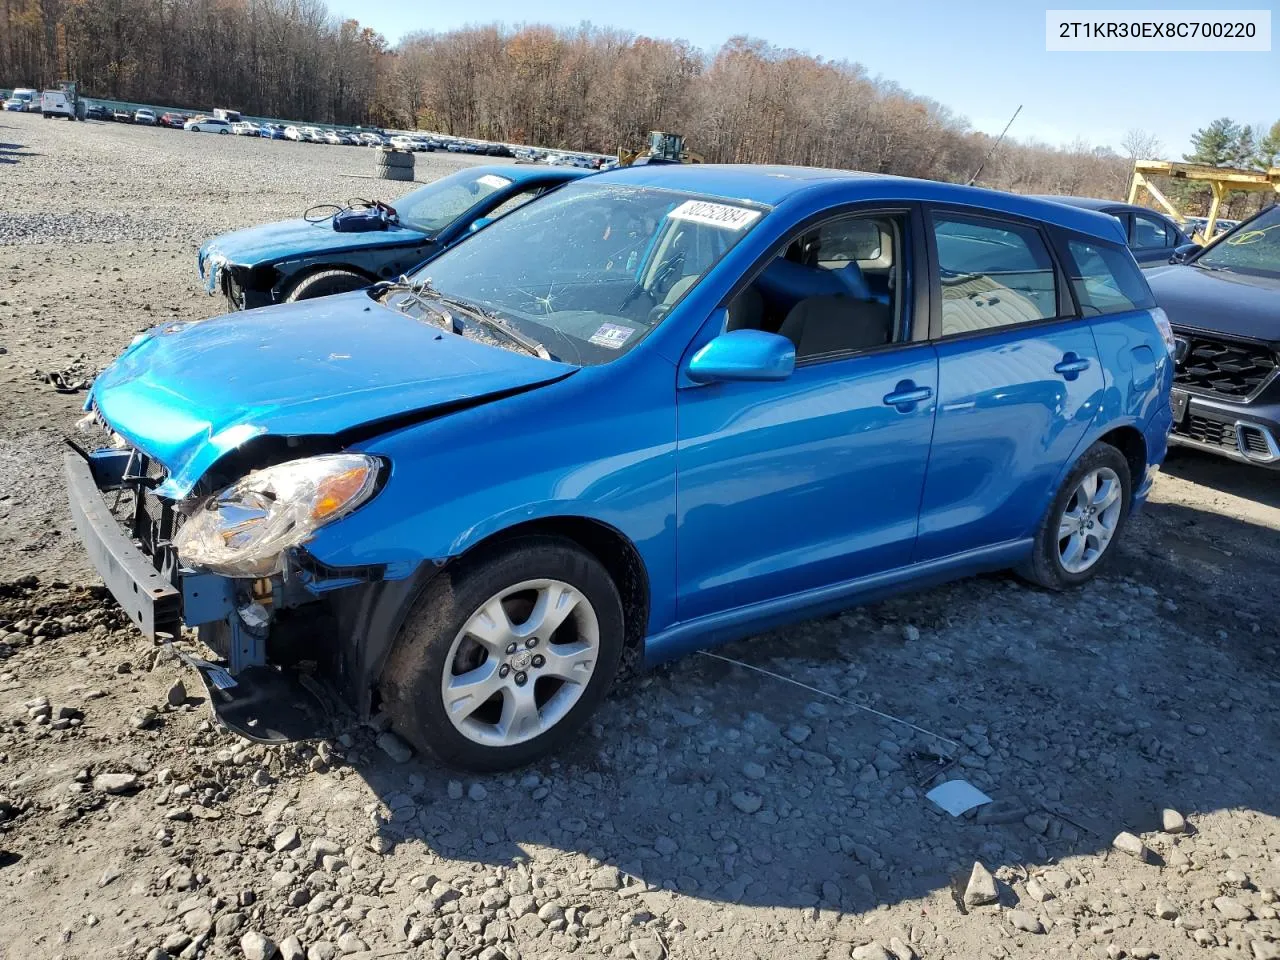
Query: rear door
(1019, 382)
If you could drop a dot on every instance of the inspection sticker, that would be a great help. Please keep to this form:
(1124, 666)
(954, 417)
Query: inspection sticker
(715, 214)
(611, 336)
(492, 180)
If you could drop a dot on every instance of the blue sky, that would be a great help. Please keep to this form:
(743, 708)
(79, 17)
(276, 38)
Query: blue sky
(980, 59)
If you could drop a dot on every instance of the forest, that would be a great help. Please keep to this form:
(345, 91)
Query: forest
(588, 88)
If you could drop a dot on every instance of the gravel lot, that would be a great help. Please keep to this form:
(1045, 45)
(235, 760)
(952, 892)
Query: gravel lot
(710, 811)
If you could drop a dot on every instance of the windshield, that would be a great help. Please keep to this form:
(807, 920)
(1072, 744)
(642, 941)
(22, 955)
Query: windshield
(592, 268)
(1252, 249)
(438, 204)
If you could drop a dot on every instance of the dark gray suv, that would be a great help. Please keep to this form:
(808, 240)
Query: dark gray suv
(1152, 236)
(1224, 304)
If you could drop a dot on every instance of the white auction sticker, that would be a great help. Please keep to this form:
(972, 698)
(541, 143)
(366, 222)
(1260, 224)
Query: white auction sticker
(491, 180)
(715, 214)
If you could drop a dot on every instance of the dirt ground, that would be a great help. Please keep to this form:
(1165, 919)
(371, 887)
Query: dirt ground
(710, 811)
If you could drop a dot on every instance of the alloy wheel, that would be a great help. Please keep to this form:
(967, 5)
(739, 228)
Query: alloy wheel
(1089, 521)
(520, 662)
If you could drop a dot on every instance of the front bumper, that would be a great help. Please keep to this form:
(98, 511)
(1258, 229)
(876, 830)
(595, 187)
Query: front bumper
(159, 601)
(1244, 432)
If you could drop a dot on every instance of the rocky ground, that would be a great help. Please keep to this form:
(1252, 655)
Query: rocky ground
(1126, 731)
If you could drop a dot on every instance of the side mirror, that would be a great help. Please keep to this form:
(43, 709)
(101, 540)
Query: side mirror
(1185, 252)
(479, 223)
(744, 355)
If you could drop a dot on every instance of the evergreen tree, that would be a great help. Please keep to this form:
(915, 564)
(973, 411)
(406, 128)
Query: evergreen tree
(1217, 145)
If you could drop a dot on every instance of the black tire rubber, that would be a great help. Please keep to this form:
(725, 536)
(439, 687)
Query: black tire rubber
(1045, 566)
(411, 679)
(404, 174)
(326, 283)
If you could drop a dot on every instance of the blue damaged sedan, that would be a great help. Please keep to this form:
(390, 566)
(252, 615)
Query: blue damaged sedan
(338, 248)
(662, 408)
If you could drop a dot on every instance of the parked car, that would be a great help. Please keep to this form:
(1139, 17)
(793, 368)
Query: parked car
(56, 103)
(402, 142)
(1152, 236)
(23, 100)
(124, 116)
(372, 140)
(1224, 303)
(272, 131)
(312, 135)
(96, 111)
(245, 128)
(207, 125)
(293, 133)
(174, 121)
(300, 259)
(231, 116)
(145, 116)
(459, 492)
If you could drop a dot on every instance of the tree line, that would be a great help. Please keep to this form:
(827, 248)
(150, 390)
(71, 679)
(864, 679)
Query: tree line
(587, 88)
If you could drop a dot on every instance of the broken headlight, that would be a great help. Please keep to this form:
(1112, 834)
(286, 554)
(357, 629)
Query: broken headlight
(244, 530)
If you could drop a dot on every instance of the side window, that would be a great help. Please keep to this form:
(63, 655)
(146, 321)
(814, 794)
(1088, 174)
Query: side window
(516, 200)
(994, 274)
(1105, 279)
(1148, 233)
(836, 289)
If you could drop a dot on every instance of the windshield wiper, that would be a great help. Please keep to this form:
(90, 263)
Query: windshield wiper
(418, 289)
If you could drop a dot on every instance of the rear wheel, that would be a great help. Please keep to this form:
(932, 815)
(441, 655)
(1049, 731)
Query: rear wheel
(1079, 532)
(506, 654)
(326, 283)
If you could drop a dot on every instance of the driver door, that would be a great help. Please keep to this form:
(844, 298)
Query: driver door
(792, 486)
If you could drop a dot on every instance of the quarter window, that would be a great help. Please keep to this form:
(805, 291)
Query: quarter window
(992, 275)
(1105, 279)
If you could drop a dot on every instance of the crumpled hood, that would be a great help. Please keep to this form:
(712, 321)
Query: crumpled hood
(1233, 304)
(187, 393)
(270, 242)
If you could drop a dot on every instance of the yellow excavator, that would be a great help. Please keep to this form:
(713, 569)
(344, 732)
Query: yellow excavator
(662, 148)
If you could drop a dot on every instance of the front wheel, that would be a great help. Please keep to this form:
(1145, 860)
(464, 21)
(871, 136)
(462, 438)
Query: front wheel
(506, 654)
(1079, 532)
(325, 284)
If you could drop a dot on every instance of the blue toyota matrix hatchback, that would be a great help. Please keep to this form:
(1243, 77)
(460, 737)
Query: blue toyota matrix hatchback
(661, 408)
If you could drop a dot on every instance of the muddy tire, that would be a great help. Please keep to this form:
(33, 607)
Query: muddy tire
(394, 158)
(1079, 533)
(505, 655)
(325, 284)
(395, 173)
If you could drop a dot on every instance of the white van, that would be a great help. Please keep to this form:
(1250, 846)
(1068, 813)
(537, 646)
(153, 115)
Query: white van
(231, 116)
(54, 103)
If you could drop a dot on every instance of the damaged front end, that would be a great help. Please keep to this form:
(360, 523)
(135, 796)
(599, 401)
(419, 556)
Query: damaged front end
(285, 629)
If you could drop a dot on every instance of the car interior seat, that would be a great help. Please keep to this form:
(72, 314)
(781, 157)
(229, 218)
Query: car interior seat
(837, 323)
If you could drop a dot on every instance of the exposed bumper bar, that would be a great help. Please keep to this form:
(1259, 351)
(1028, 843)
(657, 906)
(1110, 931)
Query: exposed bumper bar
(150, 600)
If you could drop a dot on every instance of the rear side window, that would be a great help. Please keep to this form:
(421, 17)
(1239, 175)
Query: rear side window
(1106, 279)
(1149, 233)
(993, 274)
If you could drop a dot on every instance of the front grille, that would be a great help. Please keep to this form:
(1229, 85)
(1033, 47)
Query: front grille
(1235, 371)
(1208, 431)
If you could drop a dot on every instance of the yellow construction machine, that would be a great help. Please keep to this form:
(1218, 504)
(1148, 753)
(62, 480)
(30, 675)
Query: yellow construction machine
(662, 148)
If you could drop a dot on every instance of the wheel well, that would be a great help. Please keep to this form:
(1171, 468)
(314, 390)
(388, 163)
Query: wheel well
(1130, 443)
(287, 284)
(615, 552)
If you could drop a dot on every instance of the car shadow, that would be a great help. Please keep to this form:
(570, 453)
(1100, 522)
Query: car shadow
(1082, 714)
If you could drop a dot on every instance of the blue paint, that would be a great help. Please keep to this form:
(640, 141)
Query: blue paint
(755, 489)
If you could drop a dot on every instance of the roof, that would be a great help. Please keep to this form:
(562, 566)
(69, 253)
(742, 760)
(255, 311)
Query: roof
(520, 172)
(1088, 203)
(817, 187)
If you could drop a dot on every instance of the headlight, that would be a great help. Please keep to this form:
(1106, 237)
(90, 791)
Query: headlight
(1166, 330)
(244, 530)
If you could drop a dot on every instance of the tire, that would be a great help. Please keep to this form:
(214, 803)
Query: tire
(1053, 564)
(436, 644)
(394, 158)
(326, 283)
(223, 132)
(395, 173)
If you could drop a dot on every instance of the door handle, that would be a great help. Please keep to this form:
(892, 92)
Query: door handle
(1071, 366)
(906, 395)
